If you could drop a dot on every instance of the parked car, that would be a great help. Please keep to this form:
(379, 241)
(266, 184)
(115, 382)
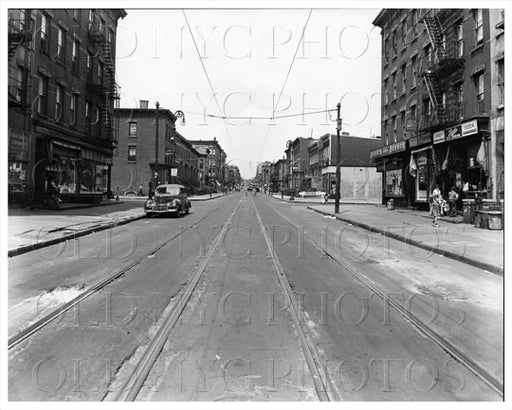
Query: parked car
(168, 199)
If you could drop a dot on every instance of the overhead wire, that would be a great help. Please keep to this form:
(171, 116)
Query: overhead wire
(207, 78)
(269, 118)
(285, 80)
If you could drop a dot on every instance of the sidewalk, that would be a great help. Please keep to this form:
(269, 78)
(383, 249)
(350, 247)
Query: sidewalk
(31, 229)
(316, 200)
(453, 239)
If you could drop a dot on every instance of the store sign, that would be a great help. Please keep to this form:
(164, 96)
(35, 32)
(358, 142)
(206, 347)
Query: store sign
(469, 128)
(18, 141)
(389, 149)
(438, 137)
(174, 172)
(459, 131)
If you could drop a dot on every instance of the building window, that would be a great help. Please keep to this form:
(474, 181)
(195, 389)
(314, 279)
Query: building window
(402, 124)
(42, 93)
(61, 45)
(76, 14)
(459, 43)
(479, 26)
(132, 153)
(45, 30)
(403, 78)
(412, 117)
(479, 85)
(88, 61)
(100, 69)
(393, 120)
(393, 43)
(414, 20)
(501, 81)
(404, 33)
(394, 85)
(87, 111)
(132, 129)
(74, 55)
(414, 69)
(59, 103)
(72, 109)
(386, 96)
(427, 51)
(90, 21)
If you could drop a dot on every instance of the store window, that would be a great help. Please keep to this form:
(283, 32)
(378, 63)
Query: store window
(394, 182)
(132, 153)
(17, 179)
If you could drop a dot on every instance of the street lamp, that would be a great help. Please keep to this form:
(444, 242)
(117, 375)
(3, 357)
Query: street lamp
(174, 169)
(338, 159)
(155, 170)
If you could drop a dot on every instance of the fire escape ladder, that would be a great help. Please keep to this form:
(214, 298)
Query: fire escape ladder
(435, 95)
(435, 34)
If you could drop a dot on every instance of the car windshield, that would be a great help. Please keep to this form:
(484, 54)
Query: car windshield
(169, 190)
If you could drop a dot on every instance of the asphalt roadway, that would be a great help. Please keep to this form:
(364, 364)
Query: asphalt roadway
(276, 275)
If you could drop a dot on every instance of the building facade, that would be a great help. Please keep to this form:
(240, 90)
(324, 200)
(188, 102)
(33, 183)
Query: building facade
(359, 177)
(214, 159)
(140, 161)
(437, 104)
(62, 95)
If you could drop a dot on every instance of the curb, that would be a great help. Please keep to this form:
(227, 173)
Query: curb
(28, 248)
(452, 255)
(319, 203)
(80, 206)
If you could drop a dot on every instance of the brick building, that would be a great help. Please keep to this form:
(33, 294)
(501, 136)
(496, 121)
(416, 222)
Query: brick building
(138, 161)
(438, 105)
(213, 163)
(61, 93)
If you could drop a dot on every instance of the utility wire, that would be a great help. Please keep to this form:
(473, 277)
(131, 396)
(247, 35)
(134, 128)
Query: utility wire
(207, 77)
(269, 118)
(286, 80)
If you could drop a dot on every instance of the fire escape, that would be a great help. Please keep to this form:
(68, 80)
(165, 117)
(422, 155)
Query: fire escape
(444, 58)
(105, 84)
(20, 34)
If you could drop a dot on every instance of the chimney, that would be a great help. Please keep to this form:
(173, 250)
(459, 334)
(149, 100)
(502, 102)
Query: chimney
(144, 104)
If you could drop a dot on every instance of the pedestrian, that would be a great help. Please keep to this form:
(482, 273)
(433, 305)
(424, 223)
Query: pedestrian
(141, 193)
(435, 199)
(453, 196)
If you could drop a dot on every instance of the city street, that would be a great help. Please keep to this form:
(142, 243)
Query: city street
(250, 298)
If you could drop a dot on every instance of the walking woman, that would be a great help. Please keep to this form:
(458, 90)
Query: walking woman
(436, 199)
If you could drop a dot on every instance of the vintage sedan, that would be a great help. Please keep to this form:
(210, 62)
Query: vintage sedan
(170, 199)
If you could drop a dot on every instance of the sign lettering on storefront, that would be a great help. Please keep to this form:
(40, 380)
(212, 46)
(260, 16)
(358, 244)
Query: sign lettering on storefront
(459, 131)
(438, 137)
(388, 149)
(420, 140)
(469, 128)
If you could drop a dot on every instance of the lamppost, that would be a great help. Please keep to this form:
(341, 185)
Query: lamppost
(174, 170)
(155, 173)
(338, 159)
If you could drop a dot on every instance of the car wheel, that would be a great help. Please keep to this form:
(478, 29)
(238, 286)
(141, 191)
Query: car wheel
(149, 214)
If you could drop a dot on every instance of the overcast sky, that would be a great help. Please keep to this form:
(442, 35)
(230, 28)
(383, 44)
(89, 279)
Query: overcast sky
(247, 55)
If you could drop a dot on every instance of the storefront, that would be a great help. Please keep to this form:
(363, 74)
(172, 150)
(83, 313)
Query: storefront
(462, 158)
(18, 165)
(391, 162)
(421, 168)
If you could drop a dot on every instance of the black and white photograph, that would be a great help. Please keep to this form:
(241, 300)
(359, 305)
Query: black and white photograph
(281, 202)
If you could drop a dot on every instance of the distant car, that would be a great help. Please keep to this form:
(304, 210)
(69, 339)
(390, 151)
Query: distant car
(170, 199)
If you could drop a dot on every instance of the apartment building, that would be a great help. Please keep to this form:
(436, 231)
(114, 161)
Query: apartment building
(145, 156)
(61, 94)
(437, 103)
(214, 162)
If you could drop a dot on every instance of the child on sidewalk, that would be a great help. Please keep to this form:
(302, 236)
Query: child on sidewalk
(436, 199)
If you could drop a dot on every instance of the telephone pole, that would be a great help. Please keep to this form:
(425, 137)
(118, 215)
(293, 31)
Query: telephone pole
(338, 160)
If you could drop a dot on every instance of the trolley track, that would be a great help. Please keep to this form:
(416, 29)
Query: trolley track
(33, 328)
(432, 335)
(130, 386)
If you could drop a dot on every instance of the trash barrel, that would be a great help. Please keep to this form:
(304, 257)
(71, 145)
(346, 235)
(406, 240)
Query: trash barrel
(391, 204)
(495, 220)
(468, 211)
